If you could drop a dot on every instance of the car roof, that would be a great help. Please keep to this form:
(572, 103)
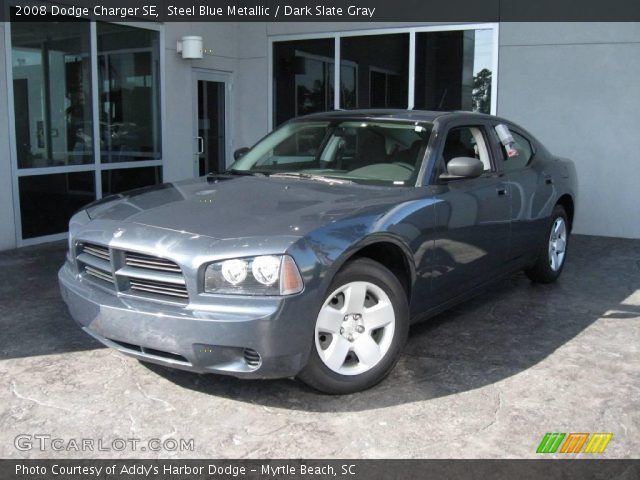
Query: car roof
(394, 114)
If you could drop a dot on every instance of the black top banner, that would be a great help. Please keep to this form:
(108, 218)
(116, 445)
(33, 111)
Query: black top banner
(324, 10)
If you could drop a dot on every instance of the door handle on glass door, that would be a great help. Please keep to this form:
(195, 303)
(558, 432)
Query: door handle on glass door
(200, 145)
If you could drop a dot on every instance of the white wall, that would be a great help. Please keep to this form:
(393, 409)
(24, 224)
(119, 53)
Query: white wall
(576, 87)
(179, 145)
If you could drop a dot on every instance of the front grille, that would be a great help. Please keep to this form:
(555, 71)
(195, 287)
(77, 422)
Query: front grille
(252, 358)
(136, 273)
(153, 277)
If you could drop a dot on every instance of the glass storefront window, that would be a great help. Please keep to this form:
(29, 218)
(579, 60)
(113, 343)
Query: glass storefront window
(303, 72)
(374, 71)
(453, 70)
(53, 103)
(52, 93)
(48, 201)
(123, 179)
(129, 100)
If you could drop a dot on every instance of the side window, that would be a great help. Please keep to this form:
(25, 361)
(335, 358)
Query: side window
(466, 142)
(516, 151)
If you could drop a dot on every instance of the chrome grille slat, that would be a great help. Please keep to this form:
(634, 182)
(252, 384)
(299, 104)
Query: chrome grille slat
(107, 277)
(159, 288)
(95, 262)
(151, 275)
(154, 263)
(97, 251)
(152, 266)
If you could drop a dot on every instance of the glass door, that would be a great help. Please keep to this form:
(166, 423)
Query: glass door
(211, 122)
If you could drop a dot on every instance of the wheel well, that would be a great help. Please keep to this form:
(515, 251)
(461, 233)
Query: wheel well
(567, 203)
(392, 257)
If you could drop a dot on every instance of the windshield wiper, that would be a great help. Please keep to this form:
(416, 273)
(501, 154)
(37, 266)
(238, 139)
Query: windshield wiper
(309, 176)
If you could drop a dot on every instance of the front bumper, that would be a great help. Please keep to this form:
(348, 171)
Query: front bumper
(221, 338)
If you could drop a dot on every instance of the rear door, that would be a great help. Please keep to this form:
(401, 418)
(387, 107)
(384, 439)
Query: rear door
(530, 188)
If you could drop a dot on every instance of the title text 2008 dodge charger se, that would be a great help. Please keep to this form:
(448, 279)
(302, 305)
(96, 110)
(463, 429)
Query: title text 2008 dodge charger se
(312, 255)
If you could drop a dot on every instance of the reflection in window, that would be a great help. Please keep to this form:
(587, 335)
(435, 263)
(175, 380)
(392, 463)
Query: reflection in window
(303, 72)
(466, 142)
(374, 71)
(129, 93)
(211, 119)
(388, 153)
(52, 93)
(453, 70)
(48, 201)
(123, 179)
(348, 85)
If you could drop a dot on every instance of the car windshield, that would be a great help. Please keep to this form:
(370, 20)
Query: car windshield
(373, 152)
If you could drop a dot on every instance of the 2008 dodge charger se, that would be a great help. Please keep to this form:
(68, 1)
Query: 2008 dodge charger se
(316, 250)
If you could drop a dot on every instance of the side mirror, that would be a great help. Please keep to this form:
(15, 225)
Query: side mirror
(241, 152)
(463, 167)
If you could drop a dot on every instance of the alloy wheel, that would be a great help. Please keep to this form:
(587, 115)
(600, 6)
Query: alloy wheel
(557, 244)
(354, 329)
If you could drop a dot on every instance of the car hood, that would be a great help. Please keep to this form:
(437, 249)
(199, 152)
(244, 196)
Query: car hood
(245, 206)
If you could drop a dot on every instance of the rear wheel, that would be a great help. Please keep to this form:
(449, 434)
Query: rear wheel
(552, 254)
(360, 329)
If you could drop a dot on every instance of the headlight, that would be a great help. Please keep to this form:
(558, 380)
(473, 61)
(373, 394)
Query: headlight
(263, 275)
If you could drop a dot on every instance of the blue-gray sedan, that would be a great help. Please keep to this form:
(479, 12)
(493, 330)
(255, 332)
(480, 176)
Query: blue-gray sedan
(316, 250)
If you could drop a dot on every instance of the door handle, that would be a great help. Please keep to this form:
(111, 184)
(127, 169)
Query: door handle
(200, 145)
(501, 191)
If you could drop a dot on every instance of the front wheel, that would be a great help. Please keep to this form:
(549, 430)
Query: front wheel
(552, 254)
(360, 330)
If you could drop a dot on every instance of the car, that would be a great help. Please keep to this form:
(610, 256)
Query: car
(312, 255)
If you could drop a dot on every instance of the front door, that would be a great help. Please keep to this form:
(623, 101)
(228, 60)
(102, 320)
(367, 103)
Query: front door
(211, 122)
(472, 217)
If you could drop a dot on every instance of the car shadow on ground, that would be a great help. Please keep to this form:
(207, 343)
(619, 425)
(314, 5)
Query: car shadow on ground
(513, 326)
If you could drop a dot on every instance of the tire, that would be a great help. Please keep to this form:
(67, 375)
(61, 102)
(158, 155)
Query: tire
(357, 343)
(553, 251)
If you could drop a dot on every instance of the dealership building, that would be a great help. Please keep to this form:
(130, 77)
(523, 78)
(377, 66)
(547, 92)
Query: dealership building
(89, 109)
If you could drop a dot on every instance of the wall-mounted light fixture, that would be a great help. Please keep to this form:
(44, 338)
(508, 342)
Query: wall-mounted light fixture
(190, 47)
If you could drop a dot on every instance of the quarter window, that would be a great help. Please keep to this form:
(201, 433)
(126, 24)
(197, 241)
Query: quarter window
(516, 154)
